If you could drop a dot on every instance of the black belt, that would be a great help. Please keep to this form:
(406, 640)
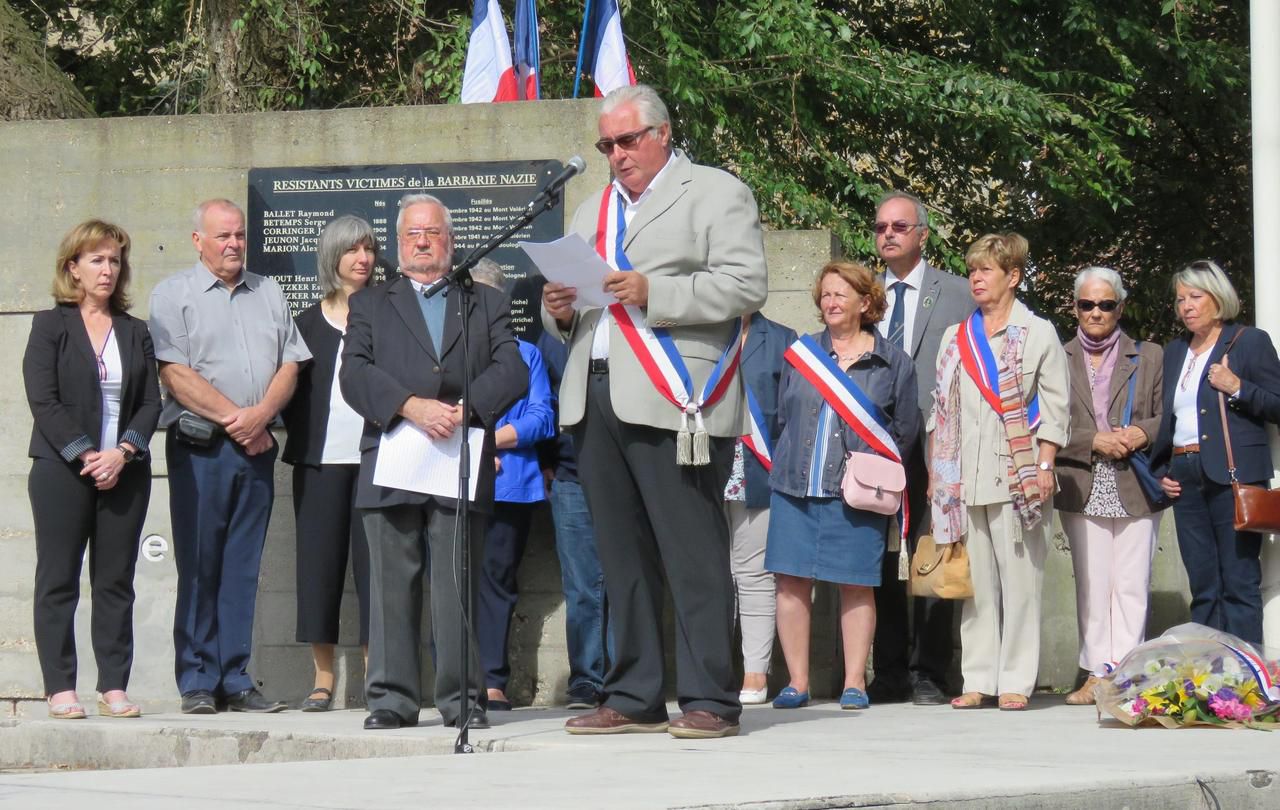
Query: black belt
(598, 365)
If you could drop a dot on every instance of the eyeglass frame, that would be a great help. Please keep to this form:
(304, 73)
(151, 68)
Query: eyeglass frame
(898, 226)
(1107, 305)
(626, 140)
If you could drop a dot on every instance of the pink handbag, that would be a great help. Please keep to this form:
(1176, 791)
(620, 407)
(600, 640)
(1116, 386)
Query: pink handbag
(873, 483)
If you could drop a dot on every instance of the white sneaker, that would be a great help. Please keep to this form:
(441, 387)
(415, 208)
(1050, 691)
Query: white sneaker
(753, 697)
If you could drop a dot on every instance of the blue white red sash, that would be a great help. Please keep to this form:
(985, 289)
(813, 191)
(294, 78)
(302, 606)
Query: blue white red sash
(849, 401)
(656, 350)
(758, 441)
(979, 363)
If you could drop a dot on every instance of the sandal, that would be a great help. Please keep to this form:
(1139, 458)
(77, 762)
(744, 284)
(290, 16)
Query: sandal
(971, 700)
(118, 708)
(1013, 702)
(66, 711)
(318, 704)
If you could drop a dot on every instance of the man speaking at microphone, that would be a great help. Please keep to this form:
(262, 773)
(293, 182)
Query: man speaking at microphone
(652, 395)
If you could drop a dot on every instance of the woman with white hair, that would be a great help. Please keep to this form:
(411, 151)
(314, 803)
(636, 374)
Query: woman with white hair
(1109, 519)
(324, 449)
(1215, 357)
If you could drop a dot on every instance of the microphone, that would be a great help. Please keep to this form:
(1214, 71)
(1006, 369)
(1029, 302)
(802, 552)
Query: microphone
(551, 190)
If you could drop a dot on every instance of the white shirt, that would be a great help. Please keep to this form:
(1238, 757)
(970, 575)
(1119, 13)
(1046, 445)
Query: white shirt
(111, 388)
(1186, 413)
(910, 296)
(600, 337)
(342, 434)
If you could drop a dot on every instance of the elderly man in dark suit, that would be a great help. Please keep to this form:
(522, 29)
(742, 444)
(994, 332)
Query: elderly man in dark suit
(923, 302)
(688, 257)
(402, 360)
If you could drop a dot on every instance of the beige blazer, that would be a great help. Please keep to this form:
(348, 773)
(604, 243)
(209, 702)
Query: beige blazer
(1075, 461)
(698, 241)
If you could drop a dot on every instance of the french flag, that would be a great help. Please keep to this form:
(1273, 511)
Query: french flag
(602, 48)
(488, 75)
(527, 67)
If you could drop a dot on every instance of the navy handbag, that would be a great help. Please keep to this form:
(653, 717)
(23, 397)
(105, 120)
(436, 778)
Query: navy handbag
(1140, 460)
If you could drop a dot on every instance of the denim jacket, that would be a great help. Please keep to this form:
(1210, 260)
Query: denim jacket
(887, 376)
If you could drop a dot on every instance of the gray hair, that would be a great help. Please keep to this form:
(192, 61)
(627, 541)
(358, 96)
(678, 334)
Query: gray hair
(339, 236)
(1103, 274)
(197, 219)
(418, 198)
(489, 273)
(1206, 275)
(922, 213)
(648, 104)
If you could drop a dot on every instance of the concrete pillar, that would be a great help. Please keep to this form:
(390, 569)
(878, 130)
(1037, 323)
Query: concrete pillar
(1264, 32)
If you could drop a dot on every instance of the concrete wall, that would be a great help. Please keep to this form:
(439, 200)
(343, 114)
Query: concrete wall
(147, 174)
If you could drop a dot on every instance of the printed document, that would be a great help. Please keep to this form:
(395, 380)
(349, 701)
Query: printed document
(409, 459)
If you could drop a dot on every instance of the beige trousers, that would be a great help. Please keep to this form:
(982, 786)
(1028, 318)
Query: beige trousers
(1000, 625)
(1112, 562)
(753, 586)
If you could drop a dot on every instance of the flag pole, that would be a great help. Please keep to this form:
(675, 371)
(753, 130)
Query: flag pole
(582, 41)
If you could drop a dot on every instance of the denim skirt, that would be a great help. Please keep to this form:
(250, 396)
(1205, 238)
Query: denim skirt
(824, 539)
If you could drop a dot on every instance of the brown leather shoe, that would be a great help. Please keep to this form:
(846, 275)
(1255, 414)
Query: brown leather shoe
(702, 725)
(607, 721)
(1084, 695)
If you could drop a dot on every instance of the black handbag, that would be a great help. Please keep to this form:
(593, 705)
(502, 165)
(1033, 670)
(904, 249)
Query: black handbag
(1140, 460)
(196, 431)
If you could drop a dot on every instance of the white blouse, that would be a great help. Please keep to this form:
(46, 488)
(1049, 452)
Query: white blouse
(342, 434)
(111, 388)
(1186, 412)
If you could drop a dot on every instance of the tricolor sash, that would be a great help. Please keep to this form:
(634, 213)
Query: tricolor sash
(758, 441)
(655, 348)
(1257, 668)
(849, 401)
(979, 363)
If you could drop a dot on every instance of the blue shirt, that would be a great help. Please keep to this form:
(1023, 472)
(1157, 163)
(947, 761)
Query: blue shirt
(534, 418)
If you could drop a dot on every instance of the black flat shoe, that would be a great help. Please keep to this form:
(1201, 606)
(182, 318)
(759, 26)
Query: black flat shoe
(251, 700)
(199, 702)
(318, 704)
(478, 720)
(385, 719)
(499, 705)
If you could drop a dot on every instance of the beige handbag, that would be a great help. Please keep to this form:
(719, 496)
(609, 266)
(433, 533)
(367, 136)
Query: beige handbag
(940, 570)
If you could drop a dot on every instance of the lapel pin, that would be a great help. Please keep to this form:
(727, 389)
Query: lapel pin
(928, 302)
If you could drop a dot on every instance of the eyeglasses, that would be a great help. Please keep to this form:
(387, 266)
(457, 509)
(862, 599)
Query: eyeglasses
(414, 234)
(1106, 305)
(898, 225)
(627, 141)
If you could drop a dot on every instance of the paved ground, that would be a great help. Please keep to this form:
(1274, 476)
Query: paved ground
(1052, 756)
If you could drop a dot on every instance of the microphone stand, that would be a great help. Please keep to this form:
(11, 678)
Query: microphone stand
(460, 278)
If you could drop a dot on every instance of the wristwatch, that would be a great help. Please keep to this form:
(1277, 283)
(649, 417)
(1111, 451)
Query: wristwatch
(1046, 466)
(128, 454)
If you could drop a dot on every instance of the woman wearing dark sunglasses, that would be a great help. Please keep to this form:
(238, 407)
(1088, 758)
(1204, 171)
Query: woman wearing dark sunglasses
(1190, 451)
(90, 374)
(1109, 520)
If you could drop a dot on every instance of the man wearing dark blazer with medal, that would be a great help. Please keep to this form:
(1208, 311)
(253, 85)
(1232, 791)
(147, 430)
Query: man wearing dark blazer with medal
(687, 251)
(923, 302)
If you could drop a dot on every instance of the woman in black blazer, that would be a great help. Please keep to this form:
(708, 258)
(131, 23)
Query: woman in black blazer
(1190, 450)
(90, 375)
(324, 449)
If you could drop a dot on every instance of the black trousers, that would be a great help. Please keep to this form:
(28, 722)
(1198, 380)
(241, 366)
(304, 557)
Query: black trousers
(654, 520)
(71, 513)
(921, 644)
(330, 532)
(504, 544)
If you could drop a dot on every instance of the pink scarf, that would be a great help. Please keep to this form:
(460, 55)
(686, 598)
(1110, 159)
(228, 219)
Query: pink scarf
(1101, 386)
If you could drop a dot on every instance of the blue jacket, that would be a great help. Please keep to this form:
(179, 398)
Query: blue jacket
(887, 377)
(534, 418)
(1253, 359)
(762, 366)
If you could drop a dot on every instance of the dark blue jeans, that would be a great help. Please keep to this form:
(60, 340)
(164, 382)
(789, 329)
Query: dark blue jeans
(1222, 563)
(219, 502)
(584, 600)
(504, 544)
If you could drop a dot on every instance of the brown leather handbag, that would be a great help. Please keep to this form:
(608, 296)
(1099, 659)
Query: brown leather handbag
(940, 570)
(1257, 508)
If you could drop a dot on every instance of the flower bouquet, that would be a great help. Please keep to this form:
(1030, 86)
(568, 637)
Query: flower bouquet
(1193, 675)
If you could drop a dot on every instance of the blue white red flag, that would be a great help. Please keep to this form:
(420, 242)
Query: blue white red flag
(602, 49)
(488, 75)
(527, 66)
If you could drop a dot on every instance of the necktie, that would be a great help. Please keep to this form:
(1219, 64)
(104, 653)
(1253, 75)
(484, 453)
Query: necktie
(897, 317)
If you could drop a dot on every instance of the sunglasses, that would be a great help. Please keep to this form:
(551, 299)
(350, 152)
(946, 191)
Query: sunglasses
(627, 141)
(1108, 305)
(898, 225)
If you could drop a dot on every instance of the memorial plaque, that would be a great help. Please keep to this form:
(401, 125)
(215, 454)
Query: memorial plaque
(289, 206)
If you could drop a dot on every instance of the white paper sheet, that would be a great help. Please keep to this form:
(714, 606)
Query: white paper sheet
(571, 261)
(409, 459)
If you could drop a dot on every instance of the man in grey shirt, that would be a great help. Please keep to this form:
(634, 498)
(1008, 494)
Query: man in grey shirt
(229, 353)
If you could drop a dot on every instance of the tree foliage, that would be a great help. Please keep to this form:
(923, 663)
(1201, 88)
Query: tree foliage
(1106, 131)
